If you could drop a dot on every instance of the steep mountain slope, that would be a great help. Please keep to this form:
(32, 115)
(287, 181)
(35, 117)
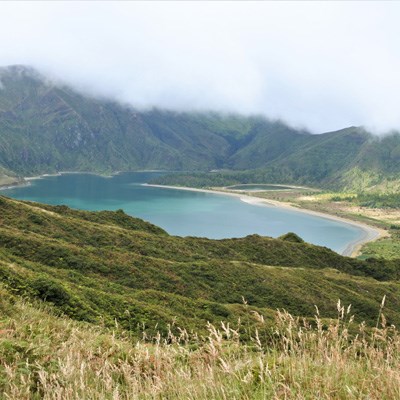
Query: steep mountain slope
(47, 128)
(44, 128)
(349, 159)
(326, 156)
(269, 143)
(107, 266)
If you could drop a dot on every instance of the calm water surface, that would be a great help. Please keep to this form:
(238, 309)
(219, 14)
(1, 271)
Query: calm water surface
(181, 212)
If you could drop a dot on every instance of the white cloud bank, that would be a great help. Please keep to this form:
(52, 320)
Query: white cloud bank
(320, 65)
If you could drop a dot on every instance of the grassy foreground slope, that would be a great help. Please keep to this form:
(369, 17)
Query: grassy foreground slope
(103, 267)
(44, 356)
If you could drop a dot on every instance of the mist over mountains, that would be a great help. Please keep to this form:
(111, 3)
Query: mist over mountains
(319, 65)
(46, 128)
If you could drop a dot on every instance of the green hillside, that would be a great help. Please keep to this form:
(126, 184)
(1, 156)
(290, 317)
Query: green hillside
(46, 128)
(350, 159)
(104, 305)
(105, 266)
(45, 356)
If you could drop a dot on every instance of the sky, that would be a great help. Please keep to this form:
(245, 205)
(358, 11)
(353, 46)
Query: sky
(321, 66)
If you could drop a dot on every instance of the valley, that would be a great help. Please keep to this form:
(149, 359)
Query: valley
(87, 286)
(199, 200)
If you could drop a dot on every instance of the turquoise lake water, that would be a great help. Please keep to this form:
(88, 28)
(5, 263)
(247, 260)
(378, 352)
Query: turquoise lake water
(181, 212)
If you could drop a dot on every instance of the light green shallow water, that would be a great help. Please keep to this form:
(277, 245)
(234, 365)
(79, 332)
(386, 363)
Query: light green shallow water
(184, 213)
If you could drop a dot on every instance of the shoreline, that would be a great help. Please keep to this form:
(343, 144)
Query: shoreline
(370, 233)
(26, 179)
(13, 185)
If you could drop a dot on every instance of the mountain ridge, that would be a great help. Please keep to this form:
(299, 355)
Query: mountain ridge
(47, 128)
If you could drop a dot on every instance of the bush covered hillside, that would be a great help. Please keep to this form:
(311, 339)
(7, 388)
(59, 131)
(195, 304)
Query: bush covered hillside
(103, 305)
(106, 268)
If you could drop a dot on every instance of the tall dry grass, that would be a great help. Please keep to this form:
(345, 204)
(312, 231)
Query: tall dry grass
(47, 357)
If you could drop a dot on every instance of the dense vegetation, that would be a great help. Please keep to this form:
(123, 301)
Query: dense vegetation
(46, 128)
(373, 200)
(158, 316)
(105, 266)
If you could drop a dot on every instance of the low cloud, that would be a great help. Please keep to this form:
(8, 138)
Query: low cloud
(319, 65)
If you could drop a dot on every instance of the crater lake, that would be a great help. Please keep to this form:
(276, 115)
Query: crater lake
(184, 212)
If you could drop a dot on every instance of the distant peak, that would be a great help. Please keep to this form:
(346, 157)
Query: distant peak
(19, 71)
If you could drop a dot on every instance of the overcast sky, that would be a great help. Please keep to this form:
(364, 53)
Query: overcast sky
(319, 65)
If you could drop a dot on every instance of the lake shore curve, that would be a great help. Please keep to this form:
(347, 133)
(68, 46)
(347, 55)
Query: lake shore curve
(370, 233)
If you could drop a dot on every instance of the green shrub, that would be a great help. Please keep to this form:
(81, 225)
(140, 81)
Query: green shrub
(49, 290)
(291, 237)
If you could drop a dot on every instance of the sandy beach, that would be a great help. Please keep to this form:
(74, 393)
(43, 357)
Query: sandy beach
(370, 233)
